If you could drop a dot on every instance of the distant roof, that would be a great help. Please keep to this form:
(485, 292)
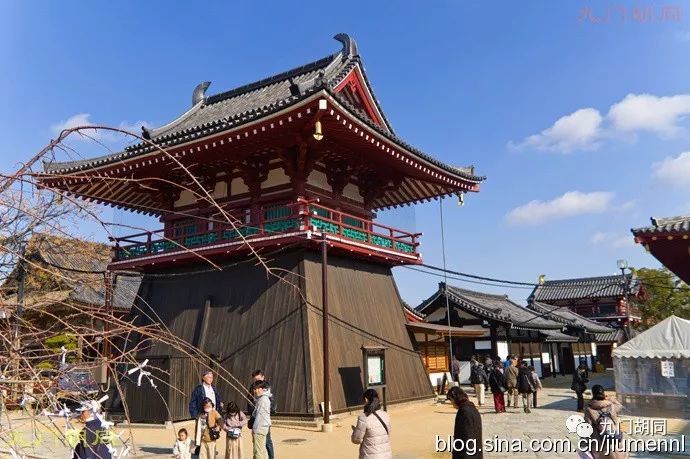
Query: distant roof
(81, 265)
(566, 316)
(584, 288)
(665, 225)
(229, 109)
(553, 336)
(493, 307)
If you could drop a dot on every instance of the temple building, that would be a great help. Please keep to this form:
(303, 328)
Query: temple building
(668, 239)
(279, 169)
(600, 299)
(551, 343)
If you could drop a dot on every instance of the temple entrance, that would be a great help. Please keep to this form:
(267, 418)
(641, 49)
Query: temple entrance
(567, 360)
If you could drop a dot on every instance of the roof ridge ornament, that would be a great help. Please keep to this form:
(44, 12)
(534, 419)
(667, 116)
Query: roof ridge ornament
(199, 94)
(349, 45)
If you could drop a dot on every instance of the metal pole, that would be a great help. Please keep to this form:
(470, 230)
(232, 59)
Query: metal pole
(324, 302)
(626, 289)
(445, 282)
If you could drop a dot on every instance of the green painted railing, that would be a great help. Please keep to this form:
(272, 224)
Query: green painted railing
(277, 220)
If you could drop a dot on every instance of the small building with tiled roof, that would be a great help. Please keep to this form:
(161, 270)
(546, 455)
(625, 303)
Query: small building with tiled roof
(64, 277)
(599, 299)
(668, 240)
(508, 328)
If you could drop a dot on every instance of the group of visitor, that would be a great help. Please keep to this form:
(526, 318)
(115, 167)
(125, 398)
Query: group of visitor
(512, 377)
(212, 418)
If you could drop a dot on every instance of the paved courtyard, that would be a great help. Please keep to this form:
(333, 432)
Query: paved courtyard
(413, 434)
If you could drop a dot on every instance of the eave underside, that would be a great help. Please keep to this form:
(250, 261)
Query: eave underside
(367, 156)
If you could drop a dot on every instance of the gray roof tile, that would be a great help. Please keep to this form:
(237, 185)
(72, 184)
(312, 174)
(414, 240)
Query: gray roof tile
(665, 225)
(583, 288)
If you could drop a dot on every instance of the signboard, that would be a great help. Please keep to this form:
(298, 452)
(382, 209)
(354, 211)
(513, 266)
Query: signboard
(375, 370)
(667, 370)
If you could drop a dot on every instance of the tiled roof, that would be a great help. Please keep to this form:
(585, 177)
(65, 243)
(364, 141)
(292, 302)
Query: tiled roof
(494, 307)
(665, 225)
(241, 105)
(566, 316)
(583, 288)
(616, 335)
(81, 264)
(553, 336)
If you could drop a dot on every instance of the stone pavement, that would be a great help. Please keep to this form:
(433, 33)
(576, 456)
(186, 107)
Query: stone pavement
(413, 433)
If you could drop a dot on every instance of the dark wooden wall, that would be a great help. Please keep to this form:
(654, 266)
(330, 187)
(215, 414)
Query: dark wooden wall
(366, 310)
(251, 320)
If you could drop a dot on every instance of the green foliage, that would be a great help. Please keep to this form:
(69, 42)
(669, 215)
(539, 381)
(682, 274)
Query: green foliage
(66, 339)
(45, 365)
(665, 295)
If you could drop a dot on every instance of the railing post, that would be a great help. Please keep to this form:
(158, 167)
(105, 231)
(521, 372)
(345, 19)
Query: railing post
(148, 242)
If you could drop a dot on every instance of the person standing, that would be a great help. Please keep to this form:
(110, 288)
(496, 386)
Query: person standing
(455, 369)
(579, 385)
(525, 386)
(497, 383)
(204, 390)
(372, 432)
(91, 445)
(508, 361)
(258, 375)
(235, 420)
(182, 449)
(468, 425)
(602, 413)
(536, 382)
(261, 419)
(478, 378)
(208, 430)
(511, 374)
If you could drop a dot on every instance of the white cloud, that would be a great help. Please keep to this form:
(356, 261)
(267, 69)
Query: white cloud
(584, 129)
(674, 171)
(84, 119)
(570, 204)
(579, 130)
(647, 112)
(613, 240)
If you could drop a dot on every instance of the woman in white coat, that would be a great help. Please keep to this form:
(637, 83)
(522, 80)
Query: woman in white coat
(372, 432)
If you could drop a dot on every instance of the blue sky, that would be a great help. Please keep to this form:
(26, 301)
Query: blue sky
(579, 126)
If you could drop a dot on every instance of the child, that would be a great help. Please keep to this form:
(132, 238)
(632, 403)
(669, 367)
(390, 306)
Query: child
(235, 419)
(208, 430)
(261, 419)
(536, 382)
(183, 445)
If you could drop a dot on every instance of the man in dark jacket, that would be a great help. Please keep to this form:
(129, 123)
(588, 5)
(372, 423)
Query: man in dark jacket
(92, 444)
(525, 386)
(258, 375)
(579, 385)
(204, 390)
(468, 426)
(479, 380)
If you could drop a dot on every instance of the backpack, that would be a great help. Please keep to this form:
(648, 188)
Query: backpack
(606, 426)
(525, 385)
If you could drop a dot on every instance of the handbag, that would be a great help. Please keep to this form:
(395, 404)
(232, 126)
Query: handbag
(234, 433)
(213, 433)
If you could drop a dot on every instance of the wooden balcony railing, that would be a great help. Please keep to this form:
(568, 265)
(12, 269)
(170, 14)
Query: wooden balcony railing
(267, 221)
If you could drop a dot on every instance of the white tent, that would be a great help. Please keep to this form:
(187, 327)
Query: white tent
(654, 367)
(669, 339)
